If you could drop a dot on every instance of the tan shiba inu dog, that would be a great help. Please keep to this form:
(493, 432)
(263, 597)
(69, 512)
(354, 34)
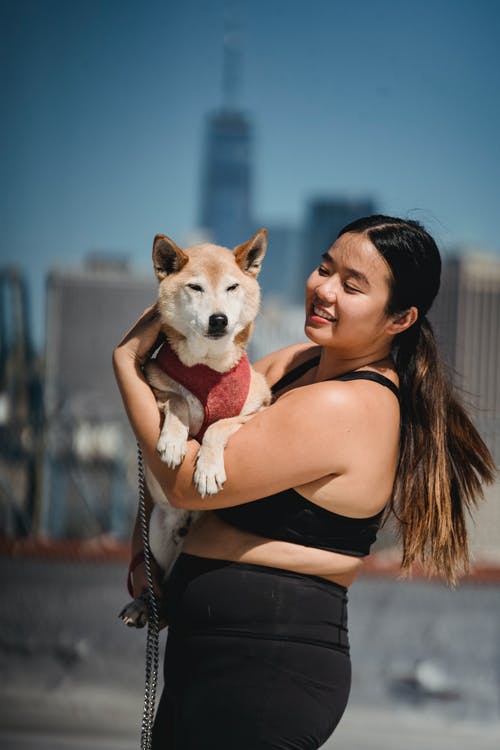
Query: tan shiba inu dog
(208, 299)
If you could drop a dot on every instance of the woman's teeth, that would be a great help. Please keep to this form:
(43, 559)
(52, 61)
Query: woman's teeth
(323, 314)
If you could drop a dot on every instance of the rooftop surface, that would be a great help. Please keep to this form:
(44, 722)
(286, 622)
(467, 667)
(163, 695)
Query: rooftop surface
(426, 661)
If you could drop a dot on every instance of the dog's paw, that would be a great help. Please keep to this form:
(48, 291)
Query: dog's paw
(171, 451)
(135, 614)
(210, 473)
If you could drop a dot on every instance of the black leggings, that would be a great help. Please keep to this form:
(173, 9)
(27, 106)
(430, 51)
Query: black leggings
(256, 658)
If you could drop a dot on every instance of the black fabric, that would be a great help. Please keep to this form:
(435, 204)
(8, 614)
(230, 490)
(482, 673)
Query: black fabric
(294, 374)
(300, 370)
(290, 517)
(375, 377)
(257, 658)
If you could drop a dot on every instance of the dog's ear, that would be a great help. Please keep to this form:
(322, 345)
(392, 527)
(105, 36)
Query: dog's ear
(167, 257)
(250, 255)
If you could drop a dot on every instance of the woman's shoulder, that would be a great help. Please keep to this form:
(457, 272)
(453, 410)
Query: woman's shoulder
(276, 364)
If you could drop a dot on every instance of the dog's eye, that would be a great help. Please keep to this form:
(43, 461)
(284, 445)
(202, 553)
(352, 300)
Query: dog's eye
(195, 287)
(232, 287)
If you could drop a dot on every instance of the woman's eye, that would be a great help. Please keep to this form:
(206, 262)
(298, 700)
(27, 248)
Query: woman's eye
(323, 271)
(232, 287)
(350, 289)
(195, 287)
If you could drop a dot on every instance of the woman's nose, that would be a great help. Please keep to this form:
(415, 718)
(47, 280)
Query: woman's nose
(326, 293)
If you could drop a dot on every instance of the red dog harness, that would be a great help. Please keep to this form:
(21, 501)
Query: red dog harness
(222, 394)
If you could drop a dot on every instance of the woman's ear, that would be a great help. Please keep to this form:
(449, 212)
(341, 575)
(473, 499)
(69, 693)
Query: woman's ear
(401, 321)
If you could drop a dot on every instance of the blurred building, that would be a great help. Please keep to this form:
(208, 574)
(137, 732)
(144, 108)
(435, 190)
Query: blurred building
(227, 178)
(278, 277)
(227, 173)
(89, 445)
(325, 217)
(277, 326)
(466, 317)
(20, 408)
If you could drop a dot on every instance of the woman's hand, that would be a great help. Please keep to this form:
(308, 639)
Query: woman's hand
(128, 359)
(142, 338)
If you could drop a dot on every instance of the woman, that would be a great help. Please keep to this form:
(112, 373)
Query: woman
(363, 423)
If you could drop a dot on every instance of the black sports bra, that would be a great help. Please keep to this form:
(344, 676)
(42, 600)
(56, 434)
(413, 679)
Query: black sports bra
(289, 517)
(300, 370)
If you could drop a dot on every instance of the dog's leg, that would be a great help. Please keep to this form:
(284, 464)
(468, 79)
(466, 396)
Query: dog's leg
(175, 430)
(210, 472)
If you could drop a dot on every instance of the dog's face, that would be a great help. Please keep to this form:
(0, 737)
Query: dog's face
(208, 294)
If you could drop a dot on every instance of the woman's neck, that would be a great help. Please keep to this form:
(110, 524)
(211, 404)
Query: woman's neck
(331, 364)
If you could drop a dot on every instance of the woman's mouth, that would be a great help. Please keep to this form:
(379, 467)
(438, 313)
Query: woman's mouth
(319, 312)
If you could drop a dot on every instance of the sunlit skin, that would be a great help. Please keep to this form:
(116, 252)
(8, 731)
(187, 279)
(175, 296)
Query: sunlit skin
(335, 442)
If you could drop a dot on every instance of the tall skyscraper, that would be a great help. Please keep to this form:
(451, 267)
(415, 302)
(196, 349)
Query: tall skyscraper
(226, 190)
(226, 196)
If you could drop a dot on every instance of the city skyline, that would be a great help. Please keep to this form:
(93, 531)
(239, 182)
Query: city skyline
(106, 105)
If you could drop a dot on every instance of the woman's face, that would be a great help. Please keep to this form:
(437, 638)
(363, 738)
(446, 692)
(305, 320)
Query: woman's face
(347, 296)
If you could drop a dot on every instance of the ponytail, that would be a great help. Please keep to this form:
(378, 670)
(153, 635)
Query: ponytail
(442, 460)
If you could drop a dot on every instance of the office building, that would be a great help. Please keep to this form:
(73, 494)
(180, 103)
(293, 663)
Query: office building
(278, 277)
(227, 171)
(89, 445)
(226, 212)
(466, 318)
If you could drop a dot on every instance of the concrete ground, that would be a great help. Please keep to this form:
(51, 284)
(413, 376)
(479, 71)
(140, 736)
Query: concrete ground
(426, 662)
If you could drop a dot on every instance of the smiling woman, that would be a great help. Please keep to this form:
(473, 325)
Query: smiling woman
(346, 298)
(257, 652)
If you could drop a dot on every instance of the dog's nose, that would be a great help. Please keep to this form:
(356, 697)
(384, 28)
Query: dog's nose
(217, 323)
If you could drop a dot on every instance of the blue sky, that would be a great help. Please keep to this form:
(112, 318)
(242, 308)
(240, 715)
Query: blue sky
(105, 100)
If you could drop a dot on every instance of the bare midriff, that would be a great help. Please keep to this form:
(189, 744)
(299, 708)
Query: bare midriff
(210, 537)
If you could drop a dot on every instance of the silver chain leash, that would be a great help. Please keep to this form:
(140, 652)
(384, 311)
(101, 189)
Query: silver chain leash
(152, 638)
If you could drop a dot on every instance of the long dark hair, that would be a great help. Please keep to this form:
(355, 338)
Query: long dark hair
(443, 459)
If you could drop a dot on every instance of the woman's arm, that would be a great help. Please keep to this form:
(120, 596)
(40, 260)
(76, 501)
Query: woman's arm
(293, 442)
